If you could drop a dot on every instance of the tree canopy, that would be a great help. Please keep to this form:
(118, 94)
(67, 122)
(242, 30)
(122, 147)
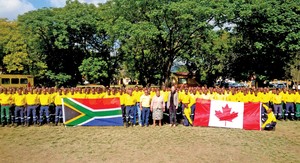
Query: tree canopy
(144, 39)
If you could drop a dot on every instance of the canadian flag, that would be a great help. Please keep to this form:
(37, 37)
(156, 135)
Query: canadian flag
(228, 114)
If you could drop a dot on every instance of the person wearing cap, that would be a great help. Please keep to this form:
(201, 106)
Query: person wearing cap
(45, 100)
(6, 100)
(270, 122)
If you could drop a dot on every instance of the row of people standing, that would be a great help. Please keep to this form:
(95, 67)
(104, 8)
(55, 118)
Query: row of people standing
(138, 103)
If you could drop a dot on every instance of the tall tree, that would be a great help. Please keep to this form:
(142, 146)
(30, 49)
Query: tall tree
(163, 29)
(269, 33)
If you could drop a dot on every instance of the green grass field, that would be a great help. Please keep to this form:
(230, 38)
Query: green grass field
(137, 144)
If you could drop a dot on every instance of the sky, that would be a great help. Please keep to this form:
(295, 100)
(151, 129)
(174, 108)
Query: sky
(10, 9)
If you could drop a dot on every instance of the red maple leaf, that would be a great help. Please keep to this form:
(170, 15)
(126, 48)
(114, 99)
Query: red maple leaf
(226, 115)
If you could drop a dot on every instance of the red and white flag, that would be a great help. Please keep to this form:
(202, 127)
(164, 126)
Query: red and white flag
(227, 114)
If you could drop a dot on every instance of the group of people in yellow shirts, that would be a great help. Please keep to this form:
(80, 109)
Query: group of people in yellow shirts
(28, 106)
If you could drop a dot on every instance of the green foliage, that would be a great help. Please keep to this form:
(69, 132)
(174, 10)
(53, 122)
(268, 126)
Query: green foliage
(142, 39)
(58, 79)
(93, 69)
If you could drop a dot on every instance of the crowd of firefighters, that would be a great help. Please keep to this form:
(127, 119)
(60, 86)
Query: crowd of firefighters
(39, 106)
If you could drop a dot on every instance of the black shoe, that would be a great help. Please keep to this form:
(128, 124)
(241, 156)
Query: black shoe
(2, 125)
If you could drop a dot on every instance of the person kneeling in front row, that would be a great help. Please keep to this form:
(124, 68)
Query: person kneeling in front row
(270, 123)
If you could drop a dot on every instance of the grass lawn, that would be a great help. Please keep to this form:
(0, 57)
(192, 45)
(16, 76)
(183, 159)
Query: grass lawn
(137, 144)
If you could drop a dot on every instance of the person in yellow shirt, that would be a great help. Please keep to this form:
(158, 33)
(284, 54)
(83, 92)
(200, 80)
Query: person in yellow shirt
(277, 104)
(6, 100)
(137, 111)
(265, 98)
(58, 106)
(45, 100)
(289, 100)
(92, 94)
(31, 104)
(186, 111)
(192, 103)
(122, 102)
(270, 122)
(19, 100)
(130, 103)
(145, 101)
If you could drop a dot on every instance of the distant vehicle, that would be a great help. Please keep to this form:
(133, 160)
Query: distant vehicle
(281, 85)
(14, 80)
(235, 85)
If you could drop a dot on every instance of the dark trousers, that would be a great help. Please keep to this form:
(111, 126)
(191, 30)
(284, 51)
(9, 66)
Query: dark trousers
(290, 109)
(278, 110)
(58, 113)
(31, 109)
(145, 116)
(193, 107)
(46, 110)
(172, 114)
(129, 113)
(19, 114)
(123, 108)
(185, 120)
(270, 126)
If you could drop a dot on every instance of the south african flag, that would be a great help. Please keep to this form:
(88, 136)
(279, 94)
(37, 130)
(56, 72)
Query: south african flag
(92, 112)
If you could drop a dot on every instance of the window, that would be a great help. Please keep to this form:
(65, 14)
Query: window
(23, 81)
(14, 81)
(182, 81)
(5, 81)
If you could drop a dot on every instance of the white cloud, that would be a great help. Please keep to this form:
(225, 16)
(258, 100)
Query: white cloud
(12, 8)
(62, 3)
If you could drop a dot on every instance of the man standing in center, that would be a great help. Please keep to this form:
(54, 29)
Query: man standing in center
(145, 108)
(172, 104)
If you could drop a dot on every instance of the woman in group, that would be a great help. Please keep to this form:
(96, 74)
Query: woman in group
(157, 107)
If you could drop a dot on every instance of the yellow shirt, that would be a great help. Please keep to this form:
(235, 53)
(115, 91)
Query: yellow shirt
(289, 98)
(79, 95)
(165, 94)
(58, 99)
(297, 98)
(122, 97)
(145, 101)
(92, 96)
(129, 100)
(277, 99)
(6, 99)
(31, 99)
(232, 98)
(20, 100)
(185, 98)
(265, 98)
(271, 118)
(109, 96)
(45, 99)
